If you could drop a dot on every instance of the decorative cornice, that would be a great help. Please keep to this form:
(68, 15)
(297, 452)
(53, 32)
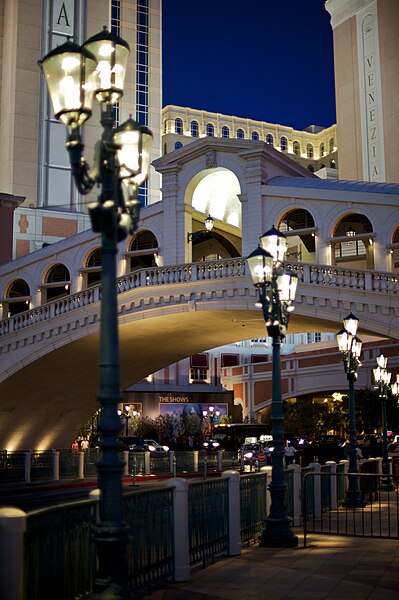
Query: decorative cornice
(342, 10)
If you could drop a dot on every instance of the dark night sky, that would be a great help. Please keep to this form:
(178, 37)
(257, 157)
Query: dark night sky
(270, 60)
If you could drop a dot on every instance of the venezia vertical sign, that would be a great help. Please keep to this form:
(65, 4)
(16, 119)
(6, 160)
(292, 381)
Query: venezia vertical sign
(370, 91)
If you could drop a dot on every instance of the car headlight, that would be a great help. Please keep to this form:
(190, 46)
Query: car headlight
(166, 448)
(206, 444)
(151, 448)
(215, 444)
(248, 455)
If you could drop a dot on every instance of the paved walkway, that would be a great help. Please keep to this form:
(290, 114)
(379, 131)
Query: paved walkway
(333, 567)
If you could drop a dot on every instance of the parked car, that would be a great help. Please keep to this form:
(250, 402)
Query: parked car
(134, 443)
(154, 446)
(393, 450)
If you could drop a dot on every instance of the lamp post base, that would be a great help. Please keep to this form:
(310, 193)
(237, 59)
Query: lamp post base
(386, 484)
(277, 534)
(353, 499)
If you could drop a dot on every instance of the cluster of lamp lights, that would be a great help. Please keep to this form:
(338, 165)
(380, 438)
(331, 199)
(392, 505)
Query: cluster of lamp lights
(276, 286)
(382, 378)
(128, 414)
(75, 75)
(212, 414)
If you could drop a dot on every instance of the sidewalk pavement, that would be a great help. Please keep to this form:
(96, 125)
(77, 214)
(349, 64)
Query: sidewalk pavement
(333, 567)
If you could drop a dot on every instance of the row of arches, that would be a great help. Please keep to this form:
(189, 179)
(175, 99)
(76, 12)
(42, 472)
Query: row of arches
(351, 244)
(142, 252)
(239, 133)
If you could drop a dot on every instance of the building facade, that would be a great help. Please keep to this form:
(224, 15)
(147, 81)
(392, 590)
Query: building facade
(366, 55)
(35, 165)
(314, 148)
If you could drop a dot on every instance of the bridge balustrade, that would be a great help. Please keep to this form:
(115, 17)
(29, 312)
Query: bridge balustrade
(318, 275)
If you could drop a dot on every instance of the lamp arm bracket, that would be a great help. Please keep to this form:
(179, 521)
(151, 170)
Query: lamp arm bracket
(83, 176)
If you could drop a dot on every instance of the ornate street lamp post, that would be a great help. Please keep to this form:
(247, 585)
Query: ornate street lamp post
(212, 415)
(74, 75)
(276, 286)
(126, 415)
(350, 347)
(382, 378)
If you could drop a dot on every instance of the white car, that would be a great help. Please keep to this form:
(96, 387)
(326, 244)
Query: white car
(393, 450)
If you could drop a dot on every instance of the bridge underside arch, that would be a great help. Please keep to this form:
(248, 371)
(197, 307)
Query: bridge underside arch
(31, 419)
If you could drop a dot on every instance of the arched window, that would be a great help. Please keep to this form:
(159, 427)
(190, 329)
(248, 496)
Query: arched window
(240, 134)
(255, 136)
(283, 144)
(269, 139)
(142, 249)
(210, 130)
(194, 128)
(57, 283)
(309, 151)
(92, 272)
(225, 132)
(178, 126)
(331, 144)
(17, 298)
(354, 248)
(296, 148)
(310, 168)
(178, 145)
(321, 150)
(301, 246)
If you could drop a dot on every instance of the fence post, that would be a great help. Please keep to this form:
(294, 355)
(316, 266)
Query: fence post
(171, 457)
(333, 484)
(346, 471)
(126, 461)
(220, 460)
(81, 464)
(316, 468)
(147, 463)
(234, 512)
(379, 465)
(268, 471)
(296, 492)
(12, 529)
(56, 465)
(180, 524)
(196, 460)
(28, 456)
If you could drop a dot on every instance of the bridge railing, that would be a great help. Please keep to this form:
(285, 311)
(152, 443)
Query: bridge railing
(319, 275)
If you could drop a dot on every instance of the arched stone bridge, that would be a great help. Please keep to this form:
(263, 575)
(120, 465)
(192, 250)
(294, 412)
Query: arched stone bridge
(165, 314)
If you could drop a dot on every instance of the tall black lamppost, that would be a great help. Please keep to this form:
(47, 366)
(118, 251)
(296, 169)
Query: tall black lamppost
(351, 347)
(382, 378)
(276, 286)
(212, 415)
(74, 75)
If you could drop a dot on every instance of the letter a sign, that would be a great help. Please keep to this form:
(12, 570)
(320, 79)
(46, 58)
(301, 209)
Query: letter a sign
(63, 16)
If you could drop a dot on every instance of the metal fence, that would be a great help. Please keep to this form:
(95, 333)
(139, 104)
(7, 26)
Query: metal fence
(328, 509)
(208, 519)
(253, 506)
(59, 554)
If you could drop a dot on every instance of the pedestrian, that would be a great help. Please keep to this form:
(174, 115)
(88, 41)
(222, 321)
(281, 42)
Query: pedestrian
(289, 452)
(84, 444)
(75, 445)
